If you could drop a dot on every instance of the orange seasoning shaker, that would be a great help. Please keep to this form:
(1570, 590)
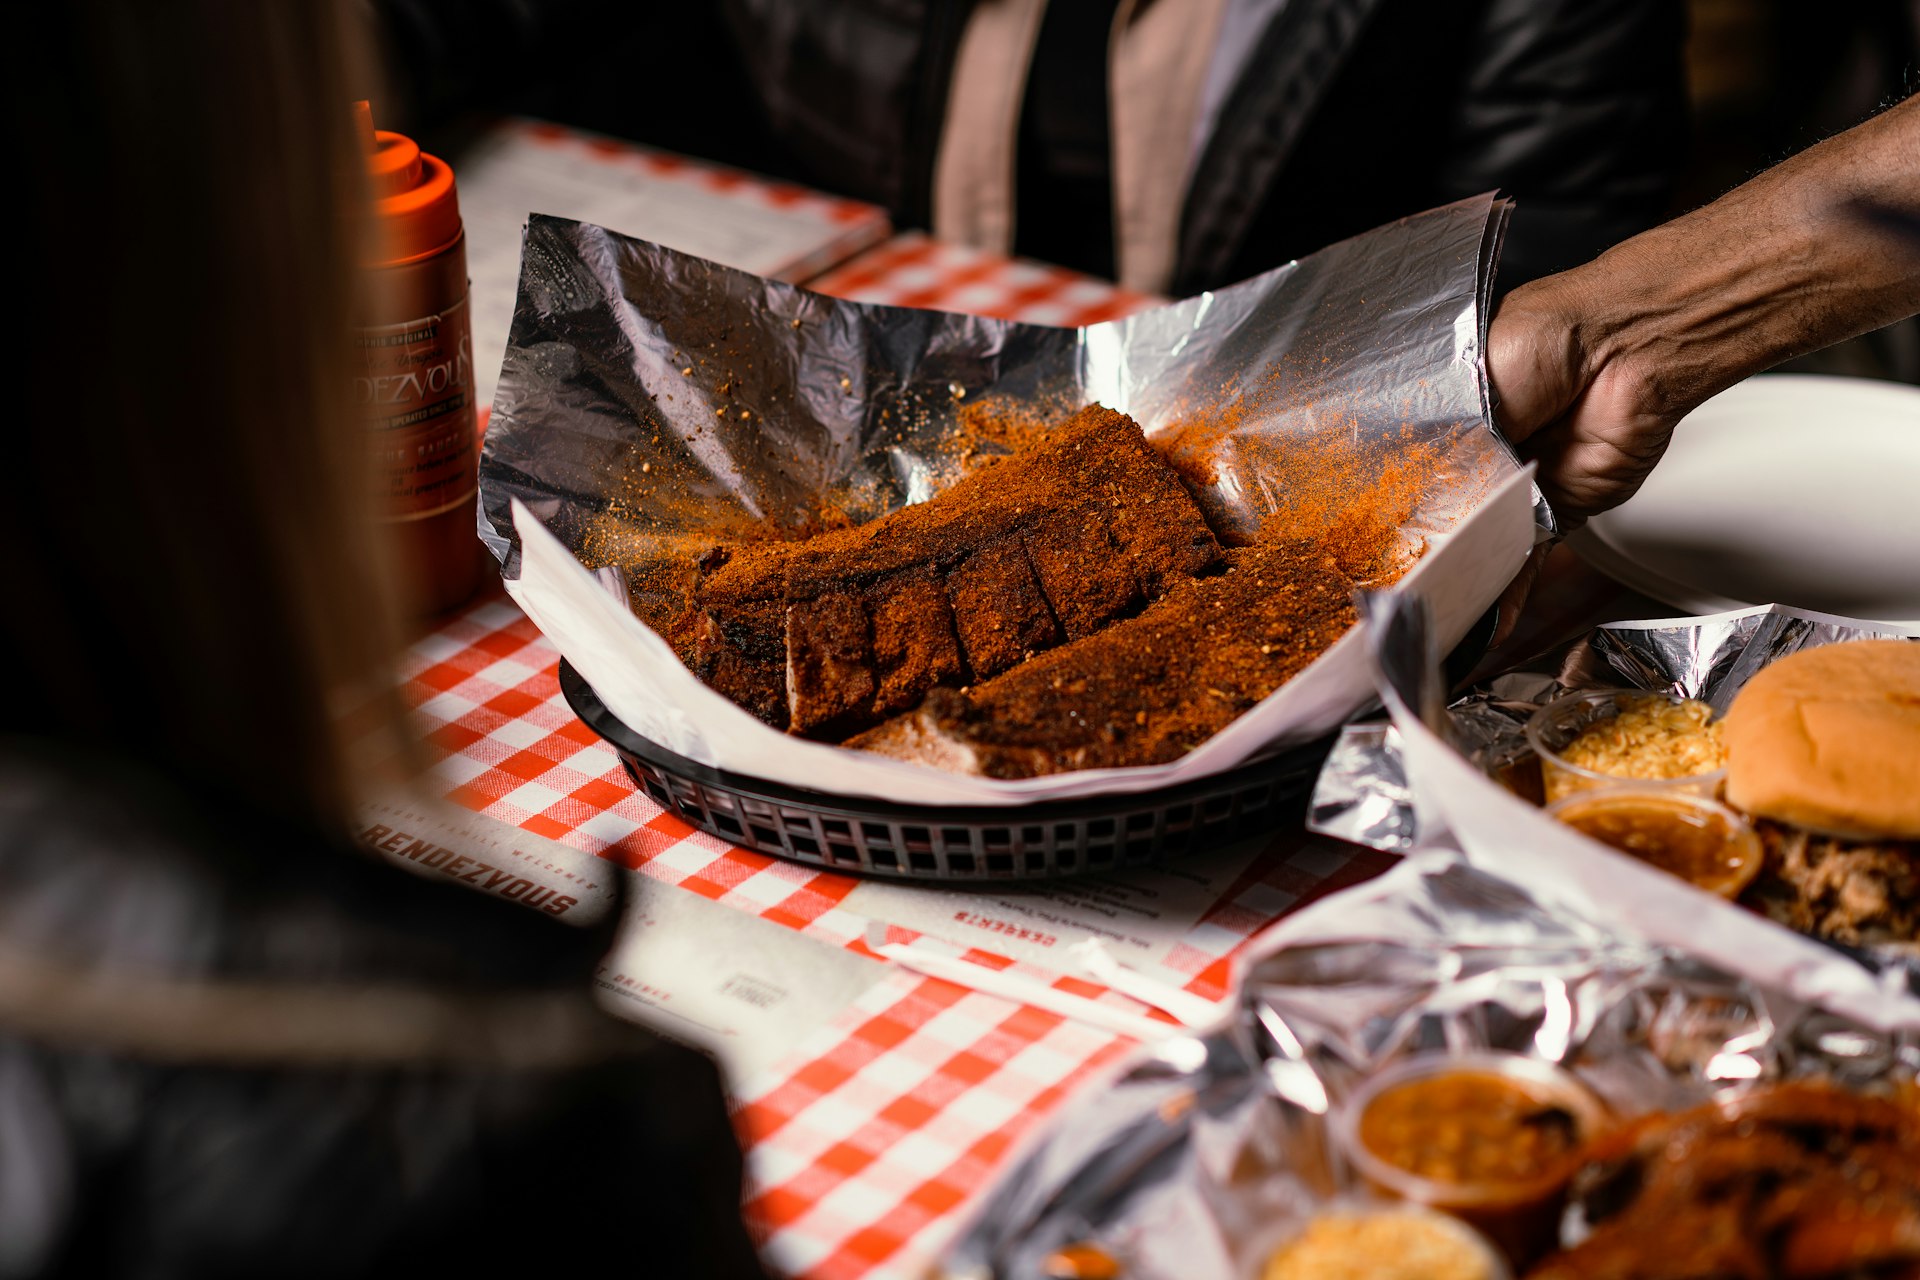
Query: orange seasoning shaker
(414, 372)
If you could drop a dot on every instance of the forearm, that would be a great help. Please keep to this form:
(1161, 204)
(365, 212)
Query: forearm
(1790, 262)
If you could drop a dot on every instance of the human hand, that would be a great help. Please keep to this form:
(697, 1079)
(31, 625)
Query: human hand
(1593, 367)
(1594, 420)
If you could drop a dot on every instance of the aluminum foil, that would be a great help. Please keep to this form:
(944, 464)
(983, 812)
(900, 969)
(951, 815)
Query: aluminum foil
(1201, 1152)
(1363, 795)
(649, 398)
(652, 404)
(1441, 774)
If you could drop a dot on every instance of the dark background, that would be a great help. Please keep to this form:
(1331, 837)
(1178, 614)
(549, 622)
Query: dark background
(1766, 79)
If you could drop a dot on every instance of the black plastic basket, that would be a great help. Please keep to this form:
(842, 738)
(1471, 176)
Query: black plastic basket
(927, 842)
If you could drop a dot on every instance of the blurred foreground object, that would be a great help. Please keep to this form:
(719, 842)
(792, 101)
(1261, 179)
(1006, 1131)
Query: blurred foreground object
(230, 1045)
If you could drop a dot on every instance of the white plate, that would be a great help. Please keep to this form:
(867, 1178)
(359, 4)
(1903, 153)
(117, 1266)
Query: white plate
(1786, 489)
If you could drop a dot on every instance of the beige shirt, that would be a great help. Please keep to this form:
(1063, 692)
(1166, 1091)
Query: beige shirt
(1158, 60)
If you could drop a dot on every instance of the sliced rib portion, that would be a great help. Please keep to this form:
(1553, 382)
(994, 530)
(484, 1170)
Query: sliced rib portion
(829, 661)
(736, 640)
(1145, 690)
(1083, 573)
(914, 647)
(1046, 546)
(998, 608)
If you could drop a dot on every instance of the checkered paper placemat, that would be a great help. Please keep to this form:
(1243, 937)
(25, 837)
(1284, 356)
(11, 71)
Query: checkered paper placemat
(915, 270)
(865, 1141)
(518, 167)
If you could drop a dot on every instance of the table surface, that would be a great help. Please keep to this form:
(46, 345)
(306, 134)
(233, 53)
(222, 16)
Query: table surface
(868, 1137)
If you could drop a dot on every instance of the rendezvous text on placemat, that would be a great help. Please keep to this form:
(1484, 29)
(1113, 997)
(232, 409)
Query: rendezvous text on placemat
(505, 883)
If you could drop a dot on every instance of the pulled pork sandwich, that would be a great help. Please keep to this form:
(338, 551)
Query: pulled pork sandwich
(1823, 751)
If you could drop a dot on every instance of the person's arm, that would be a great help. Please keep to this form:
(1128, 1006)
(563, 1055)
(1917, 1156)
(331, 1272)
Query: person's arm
(1593, 367)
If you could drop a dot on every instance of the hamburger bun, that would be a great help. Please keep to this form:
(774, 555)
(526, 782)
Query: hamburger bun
(1829, 739)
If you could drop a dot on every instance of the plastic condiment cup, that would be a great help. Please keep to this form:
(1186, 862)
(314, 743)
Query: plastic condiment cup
(1258, 1260)
(1734, 864)
(1520, 1216)
(1554, 727)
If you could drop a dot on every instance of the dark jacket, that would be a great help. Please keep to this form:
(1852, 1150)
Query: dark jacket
(229, 1048)
(1362, 111)
(1349, 114)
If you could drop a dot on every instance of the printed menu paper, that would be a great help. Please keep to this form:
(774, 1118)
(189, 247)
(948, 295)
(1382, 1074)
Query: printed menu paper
(742, 988)
(1140, 914)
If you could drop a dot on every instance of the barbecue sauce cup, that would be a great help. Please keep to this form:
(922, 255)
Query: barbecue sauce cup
(1492, 1138)
(1700, 840)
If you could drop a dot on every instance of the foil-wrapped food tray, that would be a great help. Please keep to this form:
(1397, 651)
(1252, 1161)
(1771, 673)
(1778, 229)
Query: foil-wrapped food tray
(1201, 1153)
(648, 396)
(652, 404)
(1363, 794)
(1366, 792)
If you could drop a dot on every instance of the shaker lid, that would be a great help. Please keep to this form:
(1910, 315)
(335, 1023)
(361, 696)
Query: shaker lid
(416, 206)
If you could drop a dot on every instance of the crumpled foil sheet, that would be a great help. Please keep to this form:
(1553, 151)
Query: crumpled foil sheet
(1202, 1151)
(1362, 794)
(684, 399)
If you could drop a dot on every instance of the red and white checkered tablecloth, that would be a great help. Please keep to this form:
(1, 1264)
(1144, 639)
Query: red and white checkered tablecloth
(915, 270)
(867, 1140)
(857, 224)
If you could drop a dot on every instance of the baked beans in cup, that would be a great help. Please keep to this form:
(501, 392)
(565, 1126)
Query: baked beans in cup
(1492, 1138)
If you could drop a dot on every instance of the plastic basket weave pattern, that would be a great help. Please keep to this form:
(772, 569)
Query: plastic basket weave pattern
(921, 842)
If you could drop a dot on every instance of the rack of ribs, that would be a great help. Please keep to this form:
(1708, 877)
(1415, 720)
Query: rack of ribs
(1146, 690)
(827, 636)
(1799, 1180)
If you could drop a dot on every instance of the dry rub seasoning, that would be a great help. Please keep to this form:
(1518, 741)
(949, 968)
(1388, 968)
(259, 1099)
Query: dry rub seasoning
(1145, 690)
(1066, 643)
